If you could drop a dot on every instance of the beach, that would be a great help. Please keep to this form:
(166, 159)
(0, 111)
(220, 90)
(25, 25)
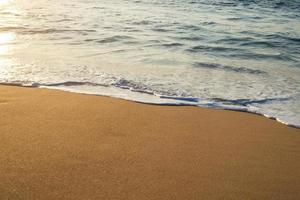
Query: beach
(149, 100)
(229, 54)
(61, 145)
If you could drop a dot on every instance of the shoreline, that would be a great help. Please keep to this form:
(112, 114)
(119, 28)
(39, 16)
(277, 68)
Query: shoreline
(149, 103)
(64, 145)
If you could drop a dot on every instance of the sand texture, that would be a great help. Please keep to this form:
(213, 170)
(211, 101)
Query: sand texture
(58, 145)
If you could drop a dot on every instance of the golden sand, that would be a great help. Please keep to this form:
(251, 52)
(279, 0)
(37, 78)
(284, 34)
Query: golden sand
(59, 145)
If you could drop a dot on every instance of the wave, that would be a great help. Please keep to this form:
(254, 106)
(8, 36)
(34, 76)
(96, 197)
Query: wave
(247, 102)
(277, 36)
(166, 45)
(9, 13)
(167, 53)
(191, 38)
(98, 7)
(243, 105)
(259, 44)
(143, 22)
(239, 53)
(207, 49)
(189, 28)
(250, 41)
(70, 83)
(113, 39)
(283, 37)
(229, 68)
(187, 99)
(27, 30)
(174, 44)
(272, 4)
(160, 30)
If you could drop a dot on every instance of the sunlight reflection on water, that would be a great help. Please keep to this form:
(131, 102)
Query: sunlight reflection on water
(5, 39)
(223, 52)
(4, 2)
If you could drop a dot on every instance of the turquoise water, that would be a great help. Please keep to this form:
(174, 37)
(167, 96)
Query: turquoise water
(230, 54)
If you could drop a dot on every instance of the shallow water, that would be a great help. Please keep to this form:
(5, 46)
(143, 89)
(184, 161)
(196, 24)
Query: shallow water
(233, 54)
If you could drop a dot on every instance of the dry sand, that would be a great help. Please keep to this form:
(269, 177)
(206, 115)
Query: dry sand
(58, 145)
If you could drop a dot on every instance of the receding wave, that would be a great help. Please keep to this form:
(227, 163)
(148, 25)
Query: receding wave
(72, 83)
(227, 104)
(233, 54)
(247, 102)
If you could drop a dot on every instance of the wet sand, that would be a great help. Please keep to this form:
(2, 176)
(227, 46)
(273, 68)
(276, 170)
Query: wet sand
(60, 145)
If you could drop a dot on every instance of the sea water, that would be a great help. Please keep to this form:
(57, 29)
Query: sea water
(230, 54)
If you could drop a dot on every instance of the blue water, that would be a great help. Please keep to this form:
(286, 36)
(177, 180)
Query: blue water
(231, 54)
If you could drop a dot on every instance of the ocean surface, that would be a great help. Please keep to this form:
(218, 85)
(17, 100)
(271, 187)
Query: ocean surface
(229, 54)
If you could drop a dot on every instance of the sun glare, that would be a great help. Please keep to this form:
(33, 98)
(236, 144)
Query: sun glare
(3, 2)
(5, 39)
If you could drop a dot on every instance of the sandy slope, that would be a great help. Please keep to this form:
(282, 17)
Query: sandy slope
(59, 145)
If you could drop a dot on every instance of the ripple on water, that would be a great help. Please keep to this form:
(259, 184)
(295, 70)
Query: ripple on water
(217, 66)
(241, 53)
